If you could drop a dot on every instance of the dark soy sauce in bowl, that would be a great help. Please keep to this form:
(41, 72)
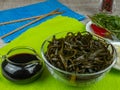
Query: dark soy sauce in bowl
(22, 68)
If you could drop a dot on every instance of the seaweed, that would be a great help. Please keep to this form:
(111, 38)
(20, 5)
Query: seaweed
(79, 53)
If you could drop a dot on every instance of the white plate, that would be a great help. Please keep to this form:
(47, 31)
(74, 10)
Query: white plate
(88, 28)
(117, 47)
(116, 44)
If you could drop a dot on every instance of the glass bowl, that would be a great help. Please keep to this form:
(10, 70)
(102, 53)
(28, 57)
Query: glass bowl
(22, 64)
(74, 78)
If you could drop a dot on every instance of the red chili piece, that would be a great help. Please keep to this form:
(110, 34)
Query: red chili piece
(100, 31)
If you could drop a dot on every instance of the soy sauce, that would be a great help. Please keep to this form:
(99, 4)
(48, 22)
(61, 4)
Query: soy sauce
(20, 70)
(22, 58)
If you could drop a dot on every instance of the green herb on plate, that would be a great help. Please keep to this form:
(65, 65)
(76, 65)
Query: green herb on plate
(107, 21)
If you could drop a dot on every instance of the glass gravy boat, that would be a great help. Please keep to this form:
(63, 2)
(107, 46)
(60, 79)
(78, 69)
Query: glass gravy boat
(21, 65)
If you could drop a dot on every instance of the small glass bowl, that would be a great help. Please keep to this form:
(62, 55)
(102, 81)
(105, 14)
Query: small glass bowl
(74, 79)
(22, 65)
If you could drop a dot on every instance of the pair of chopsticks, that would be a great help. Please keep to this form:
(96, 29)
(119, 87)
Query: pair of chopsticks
(37, 18)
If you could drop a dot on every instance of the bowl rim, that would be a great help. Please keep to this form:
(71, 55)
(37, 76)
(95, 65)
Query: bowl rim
(77, 74)
(6, 56)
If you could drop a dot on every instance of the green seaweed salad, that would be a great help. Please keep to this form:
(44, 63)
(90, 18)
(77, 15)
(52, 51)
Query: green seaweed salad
(79, 53)
(107, 21)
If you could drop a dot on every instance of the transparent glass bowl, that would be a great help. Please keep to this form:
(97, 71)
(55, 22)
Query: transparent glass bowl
(21, 65)
(74, 79)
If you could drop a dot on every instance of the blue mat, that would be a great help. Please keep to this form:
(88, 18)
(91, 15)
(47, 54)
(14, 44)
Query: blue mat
(28, 11)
